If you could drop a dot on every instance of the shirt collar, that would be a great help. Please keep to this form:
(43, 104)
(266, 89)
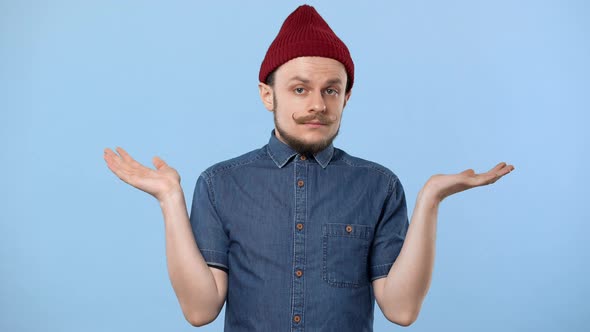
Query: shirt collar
(281, 153)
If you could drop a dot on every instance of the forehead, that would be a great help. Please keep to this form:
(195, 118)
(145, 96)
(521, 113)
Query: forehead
(312, 68)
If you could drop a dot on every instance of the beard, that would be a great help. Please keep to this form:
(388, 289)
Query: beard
(301, 146)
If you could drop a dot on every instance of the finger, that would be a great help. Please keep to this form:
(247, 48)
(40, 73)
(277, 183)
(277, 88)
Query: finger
(158, 162)
(500, 169)
(111, 157)
(505, 170)
(117, 160)
(497, 167)
(124, 155)
(114, 166)
(108, 159)
(132, 163)
(117, 165)
(110, 154)
(114, 162)
(501, 172)
(468, 172)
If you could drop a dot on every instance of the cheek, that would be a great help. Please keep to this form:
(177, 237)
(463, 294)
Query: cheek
(281, 112)
(285, 110)
(284, 118)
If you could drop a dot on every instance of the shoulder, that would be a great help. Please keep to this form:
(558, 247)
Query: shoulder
(235, 162)
(341, 157)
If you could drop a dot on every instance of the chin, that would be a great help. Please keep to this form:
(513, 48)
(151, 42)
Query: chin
(316, 133)
(314, 139)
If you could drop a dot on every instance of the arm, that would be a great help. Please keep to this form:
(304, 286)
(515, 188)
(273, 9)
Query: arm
(401, 293)
(200, 290)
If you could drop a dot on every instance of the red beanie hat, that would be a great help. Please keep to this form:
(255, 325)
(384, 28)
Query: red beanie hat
(305, 33)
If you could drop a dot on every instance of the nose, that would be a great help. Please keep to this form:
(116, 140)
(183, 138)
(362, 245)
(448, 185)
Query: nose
(317, 102)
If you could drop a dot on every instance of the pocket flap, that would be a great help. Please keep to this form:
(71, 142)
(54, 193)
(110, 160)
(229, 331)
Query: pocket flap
(348, 230)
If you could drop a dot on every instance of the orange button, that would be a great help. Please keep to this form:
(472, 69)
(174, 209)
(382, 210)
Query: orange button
(299, 226)
(300, 183)
(348, 228)
(303, 157)
(298, 273)
(296, 318)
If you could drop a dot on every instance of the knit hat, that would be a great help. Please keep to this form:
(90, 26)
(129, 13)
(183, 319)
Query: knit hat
(305, 33)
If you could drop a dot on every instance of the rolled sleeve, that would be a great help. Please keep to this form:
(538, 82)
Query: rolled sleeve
(208, 231)
(390, 231)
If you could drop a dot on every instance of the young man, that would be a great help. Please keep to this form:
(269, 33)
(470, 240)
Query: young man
(299, 235)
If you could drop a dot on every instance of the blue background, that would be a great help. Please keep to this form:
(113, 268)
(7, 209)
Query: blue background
(440, 87)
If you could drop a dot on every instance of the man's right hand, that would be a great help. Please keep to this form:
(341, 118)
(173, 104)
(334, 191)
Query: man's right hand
(201, 290)
(160, 183)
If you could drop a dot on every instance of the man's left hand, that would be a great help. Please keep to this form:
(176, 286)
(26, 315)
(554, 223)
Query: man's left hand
(444, 185)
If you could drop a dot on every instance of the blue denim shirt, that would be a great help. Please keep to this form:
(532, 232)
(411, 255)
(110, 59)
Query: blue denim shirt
(300, 237)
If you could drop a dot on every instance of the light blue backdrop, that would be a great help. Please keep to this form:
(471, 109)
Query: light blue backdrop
(441, 86)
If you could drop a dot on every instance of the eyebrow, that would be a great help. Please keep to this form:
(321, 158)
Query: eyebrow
(299, 78)
(304, 80)
(334, 81)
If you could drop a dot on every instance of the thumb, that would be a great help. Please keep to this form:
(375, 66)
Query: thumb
(468, 172)
(158, 162)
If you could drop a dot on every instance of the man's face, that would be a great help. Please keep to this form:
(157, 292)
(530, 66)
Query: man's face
(307, 99)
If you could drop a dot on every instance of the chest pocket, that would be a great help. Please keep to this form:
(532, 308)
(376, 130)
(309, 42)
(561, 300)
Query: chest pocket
(345, 256)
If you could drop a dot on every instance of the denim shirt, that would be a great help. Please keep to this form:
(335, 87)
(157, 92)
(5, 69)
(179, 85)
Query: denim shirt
(301, 237)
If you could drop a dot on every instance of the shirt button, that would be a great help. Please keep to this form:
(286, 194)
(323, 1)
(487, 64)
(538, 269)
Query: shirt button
(298, 273)
(348, 228)
(303, 157)
(296, 318)
(299, 226)
(300, 183)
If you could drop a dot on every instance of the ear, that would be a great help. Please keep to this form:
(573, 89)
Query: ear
(266, 95)
(346, 97)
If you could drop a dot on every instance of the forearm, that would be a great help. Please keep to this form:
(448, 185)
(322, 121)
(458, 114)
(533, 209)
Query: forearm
(407, 283)
(409, 278)
(191, 278)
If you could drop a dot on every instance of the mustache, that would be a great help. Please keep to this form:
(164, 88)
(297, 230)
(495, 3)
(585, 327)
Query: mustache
(320, 116)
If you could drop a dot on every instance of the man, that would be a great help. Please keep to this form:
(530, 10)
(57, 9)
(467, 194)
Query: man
(299, 235)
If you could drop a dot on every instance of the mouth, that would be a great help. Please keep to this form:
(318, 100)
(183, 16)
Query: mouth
(314, 124)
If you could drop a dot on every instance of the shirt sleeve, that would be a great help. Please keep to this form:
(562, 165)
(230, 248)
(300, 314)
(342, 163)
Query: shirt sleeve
(207, 228)
(390, 231)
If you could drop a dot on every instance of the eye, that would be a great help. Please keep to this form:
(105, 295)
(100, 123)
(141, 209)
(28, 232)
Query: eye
(331, 92)
(299, 91)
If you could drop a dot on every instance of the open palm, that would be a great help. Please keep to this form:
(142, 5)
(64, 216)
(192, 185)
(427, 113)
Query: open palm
(158, 183)
(444, 185)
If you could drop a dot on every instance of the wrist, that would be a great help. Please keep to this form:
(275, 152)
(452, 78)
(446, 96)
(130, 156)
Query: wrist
(171, 196)
(429, 196)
